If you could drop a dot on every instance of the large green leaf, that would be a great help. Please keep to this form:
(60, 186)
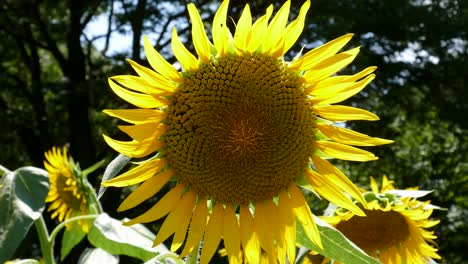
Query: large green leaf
(24, 261)
(169, 258)
(71, 237)
(135, 241)
(22, 200)
(335, 245)
(97, 255)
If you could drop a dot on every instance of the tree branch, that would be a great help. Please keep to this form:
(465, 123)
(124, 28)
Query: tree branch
(90, 15)
(51, 45)
(109, 28)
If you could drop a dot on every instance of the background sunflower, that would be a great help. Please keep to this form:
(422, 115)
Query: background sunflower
(395, 228)
(67, 196)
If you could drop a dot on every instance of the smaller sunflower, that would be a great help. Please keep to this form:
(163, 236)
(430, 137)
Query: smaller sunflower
(394, 229)
(67, 195)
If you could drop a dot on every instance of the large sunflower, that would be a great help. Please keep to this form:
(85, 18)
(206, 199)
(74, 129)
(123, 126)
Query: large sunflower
(67, 195)
(394, 228)
(236, 129)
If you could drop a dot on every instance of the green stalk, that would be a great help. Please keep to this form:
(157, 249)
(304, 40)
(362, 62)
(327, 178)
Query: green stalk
(3, 171)
(46, 246)
(64, 223)
(94, 200)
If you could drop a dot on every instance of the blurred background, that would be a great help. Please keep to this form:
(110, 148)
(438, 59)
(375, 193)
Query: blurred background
(55, 57)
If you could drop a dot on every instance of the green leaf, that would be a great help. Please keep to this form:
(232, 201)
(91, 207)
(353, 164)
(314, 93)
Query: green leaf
(168, 258)
(335, 245)
(23, 261)
(22, 200)
(114, 167)
(135, 241)
(97, 255)
(70, 239)
(409, 193)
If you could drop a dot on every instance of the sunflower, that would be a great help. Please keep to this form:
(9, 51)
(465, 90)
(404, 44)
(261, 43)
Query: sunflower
(236, 129)
(394, 228)
(67, 195)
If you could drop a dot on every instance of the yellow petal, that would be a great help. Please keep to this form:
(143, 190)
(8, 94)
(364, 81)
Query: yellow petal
(231, 236)
(250, 242)
(331, 192)
(143, 131)
(161, 208)
(153, 78)
(304, 215)
(330, 66)
(137, 116)
(288, 222)
(181, 229)
(344, 113)
(350, 137)
(197, 227)
(344, 152)
(138, 99)
(257, 34)
(373, 185)
(337, 177)
(294, 30)
(343, 92)
(264, 228)
(220, 30)
(277, 231)
(182, 210)
(159, 64)
(311, 58)
(277, 24)
(325, 86)
(213, 234)
(131, 82)
(134, 149)
(243, 28)
(138, 174)
(278, 50)
(200, 40)
(140, 85)
(146, 190)
(186, 59)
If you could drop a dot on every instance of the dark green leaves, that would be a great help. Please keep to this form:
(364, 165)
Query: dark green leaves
(22, 199)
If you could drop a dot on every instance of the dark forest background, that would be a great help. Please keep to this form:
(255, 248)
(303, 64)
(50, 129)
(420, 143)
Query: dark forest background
(53, 87)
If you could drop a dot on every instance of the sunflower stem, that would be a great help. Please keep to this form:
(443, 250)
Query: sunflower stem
(192, 257)
(44, 239)
(3, 171)
(94, 200)
(64, 223)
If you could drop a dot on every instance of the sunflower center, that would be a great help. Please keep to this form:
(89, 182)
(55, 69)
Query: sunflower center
(379, 230)
(66, 188)
(240, 128)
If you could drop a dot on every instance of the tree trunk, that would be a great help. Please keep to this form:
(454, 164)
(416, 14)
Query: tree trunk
(137, 26)
(82, 146)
